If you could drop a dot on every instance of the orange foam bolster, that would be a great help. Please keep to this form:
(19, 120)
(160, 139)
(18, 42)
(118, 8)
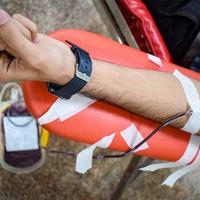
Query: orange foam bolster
(101, 118)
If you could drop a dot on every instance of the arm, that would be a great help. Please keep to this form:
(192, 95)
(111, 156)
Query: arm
(135, 90)
(138, 90)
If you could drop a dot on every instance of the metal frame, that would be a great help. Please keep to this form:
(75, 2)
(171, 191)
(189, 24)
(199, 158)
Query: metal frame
(115, 22)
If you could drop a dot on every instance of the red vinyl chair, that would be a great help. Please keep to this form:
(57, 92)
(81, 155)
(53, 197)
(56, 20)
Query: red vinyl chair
(143, 28)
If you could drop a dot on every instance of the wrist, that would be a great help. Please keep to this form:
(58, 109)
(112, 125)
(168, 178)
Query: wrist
(81, 74)
(68, 69)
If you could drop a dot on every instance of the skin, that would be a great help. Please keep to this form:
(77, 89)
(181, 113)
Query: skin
(33, 56)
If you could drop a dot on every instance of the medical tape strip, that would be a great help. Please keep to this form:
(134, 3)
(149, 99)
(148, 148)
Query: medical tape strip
(189, 161)
(193, 123)
(84, 158)
(64, 109)
(171, 180)
(185, 159)
(155, 60)
(50, 115)
(132, 137)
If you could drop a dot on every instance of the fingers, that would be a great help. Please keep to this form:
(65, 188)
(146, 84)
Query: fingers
(28, 24)
(26, 32)
(19, 71)
(29, 31)
(23, 30)
(12, 69)
(2, 46)
(14, 39)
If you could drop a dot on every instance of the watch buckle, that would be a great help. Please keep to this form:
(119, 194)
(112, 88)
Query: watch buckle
(81, 75)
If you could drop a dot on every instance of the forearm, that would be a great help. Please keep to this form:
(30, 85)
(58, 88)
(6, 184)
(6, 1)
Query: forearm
(152, 94)
(155, 95)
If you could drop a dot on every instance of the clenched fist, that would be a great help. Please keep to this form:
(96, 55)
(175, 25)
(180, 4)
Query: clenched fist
(27, 55)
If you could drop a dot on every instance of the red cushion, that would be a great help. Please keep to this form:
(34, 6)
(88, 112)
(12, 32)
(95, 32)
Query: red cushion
(144, 28)
(101, 118)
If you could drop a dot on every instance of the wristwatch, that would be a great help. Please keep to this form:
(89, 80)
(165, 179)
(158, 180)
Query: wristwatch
(83, 71)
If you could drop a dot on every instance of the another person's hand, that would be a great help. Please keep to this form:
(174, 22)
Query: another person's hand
(31, 56)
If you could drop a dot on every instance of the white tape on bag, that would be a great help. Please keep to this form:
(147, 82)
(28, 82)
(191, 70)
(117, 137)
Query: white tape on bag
(84, 158)
(66, 108)
(193, 123)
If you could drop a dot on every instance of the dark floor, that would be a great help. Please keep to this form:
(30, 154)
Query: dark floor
(56, 180)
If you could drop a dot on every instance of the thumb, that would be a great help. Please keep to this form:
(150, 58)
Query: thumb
(14, 39)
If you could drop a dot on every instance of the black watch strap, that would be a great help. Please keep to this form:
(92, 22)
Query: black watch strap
(82, 75)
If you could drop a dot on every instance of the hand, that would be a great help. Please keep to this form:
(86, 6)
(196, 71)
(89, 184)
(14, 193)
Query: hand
(25, 26)
(26, 55)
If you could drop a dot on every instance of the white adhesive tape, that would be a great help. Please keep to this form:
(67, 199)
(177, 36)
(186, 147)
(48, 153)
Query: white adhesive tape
(84, 158)
(74, 105)
(193, 124)
(155, 60)
(187, 157)
(64, 109)
(132, 137)
(50, 115)
(189, 161)
(171, 180)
